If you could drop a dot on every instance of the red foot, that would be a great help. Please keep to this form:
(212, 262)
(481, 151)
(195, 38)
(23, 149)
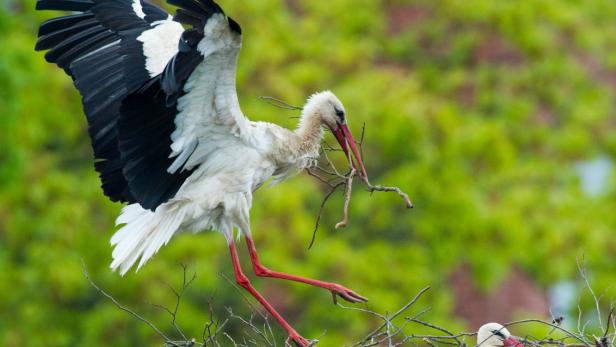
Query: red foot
(346, 294)
(335, 289)
(297, 340)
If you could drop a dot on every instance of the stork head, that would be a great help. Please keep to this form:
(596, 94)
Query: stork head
(331, 113)
(496, 335)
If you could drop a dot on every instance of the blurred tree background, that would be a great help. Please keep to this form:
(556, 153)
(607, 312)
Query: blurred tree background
(497, 117)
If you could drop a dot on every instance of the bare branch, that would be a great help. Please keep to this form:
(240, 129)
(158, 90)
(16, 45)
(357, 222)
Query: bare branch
(584, 275)
(610, 318)
(262, 333)
(391, 330)
(570, 334)
(347, 200)
(435, 327)
(380, 188)
(316, 224)
(178, 298)
(375, 332)
(122, 307)
(279, 103)
(320, 178)
(337, 179)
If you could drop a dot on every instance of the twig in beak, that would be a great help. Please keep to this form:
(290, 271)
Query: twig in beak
(316, 224)
(338, 179)
(379, 188)
(347, 200)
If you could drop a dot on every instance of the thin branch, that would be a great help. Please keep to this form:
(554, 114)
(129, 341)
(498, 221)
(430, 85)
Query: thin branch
(347, 201)
(122, 307)
(610, 318)
(584, 275)
(279, 103)
(435, 327)
(178, 298)
(400, 311)
(263, 334)
(318, 221)
(370, 312)
(380, 188)
(332, 166)
(320, 178)
(207, 329)
(361, 140)
(561, 329)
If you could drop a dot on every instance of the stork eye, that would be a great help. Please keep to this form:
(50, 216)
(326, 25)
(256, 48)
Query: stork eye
(340, 114)
(498, 333)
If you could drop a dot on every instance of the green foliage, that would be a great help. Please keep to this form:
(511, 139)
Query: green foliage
(478, 109)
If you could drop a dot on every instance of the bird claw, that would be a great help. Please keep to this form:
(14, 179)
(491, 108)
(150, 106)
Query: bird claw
(295, 339)
(346, 294)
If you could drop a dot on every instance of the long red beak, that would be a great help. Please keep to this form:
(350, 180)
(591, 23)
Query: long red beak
(512, 342)
(344, 137)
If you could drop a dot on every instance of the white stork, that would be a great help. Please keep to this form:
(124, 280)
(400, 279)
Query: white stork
(496, 335)
(168, 134)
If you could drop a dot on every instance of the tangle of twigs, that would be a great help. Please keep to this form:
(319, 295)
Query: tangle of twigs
(397, 329)
(392, 332)
(334, 179)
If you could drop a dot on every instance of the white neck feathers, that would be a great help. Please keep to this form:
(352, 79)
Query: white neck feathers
(309, 130)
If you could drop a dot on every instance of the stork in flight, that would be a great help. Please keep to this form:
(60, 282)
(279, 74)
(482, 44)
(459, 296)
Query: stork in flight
(496, 335)
(168, 134)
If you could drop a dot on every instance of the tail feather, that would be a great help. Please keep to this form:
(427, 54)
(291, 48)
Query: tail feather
(144, 232)
(162, 236)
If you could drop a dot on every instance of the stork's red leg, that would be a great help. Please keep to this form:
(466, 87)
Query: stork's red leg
(243, 281)
(336, 289)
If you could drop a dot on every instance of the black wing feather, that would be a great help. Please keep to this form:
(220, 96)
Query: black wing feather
(130, 116)
(64, 5)
(67, 56)
(189, 6)
(186, 17)
(56, 37)
(75, 41)
(149, 114)
(153, 13)
(57, 24)
(99, 50)
(179, 69)
(145, 129)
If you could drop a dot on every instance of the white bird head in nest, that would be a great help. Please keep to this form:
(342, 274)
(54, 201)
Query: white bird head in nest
(496, 335)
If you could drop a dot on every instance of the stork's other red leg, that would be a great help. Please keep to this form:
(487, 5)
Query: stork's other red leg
(243, 281)
(336, 289)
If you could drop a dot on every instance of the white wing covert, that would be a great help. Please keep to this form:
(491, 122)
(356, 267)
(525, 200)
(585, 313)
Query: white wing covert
(170, 125)
(209, 111)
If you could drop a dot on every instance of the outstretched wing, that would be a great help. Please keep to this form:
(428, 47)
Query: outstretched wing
(110, 48)
(191, 108)
(159, 99)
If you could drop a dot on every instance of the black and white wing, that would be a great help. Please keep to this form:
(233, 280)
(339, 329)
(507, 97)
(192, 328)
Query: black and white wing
(165, 114)
(192, 105)
(109, 48)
